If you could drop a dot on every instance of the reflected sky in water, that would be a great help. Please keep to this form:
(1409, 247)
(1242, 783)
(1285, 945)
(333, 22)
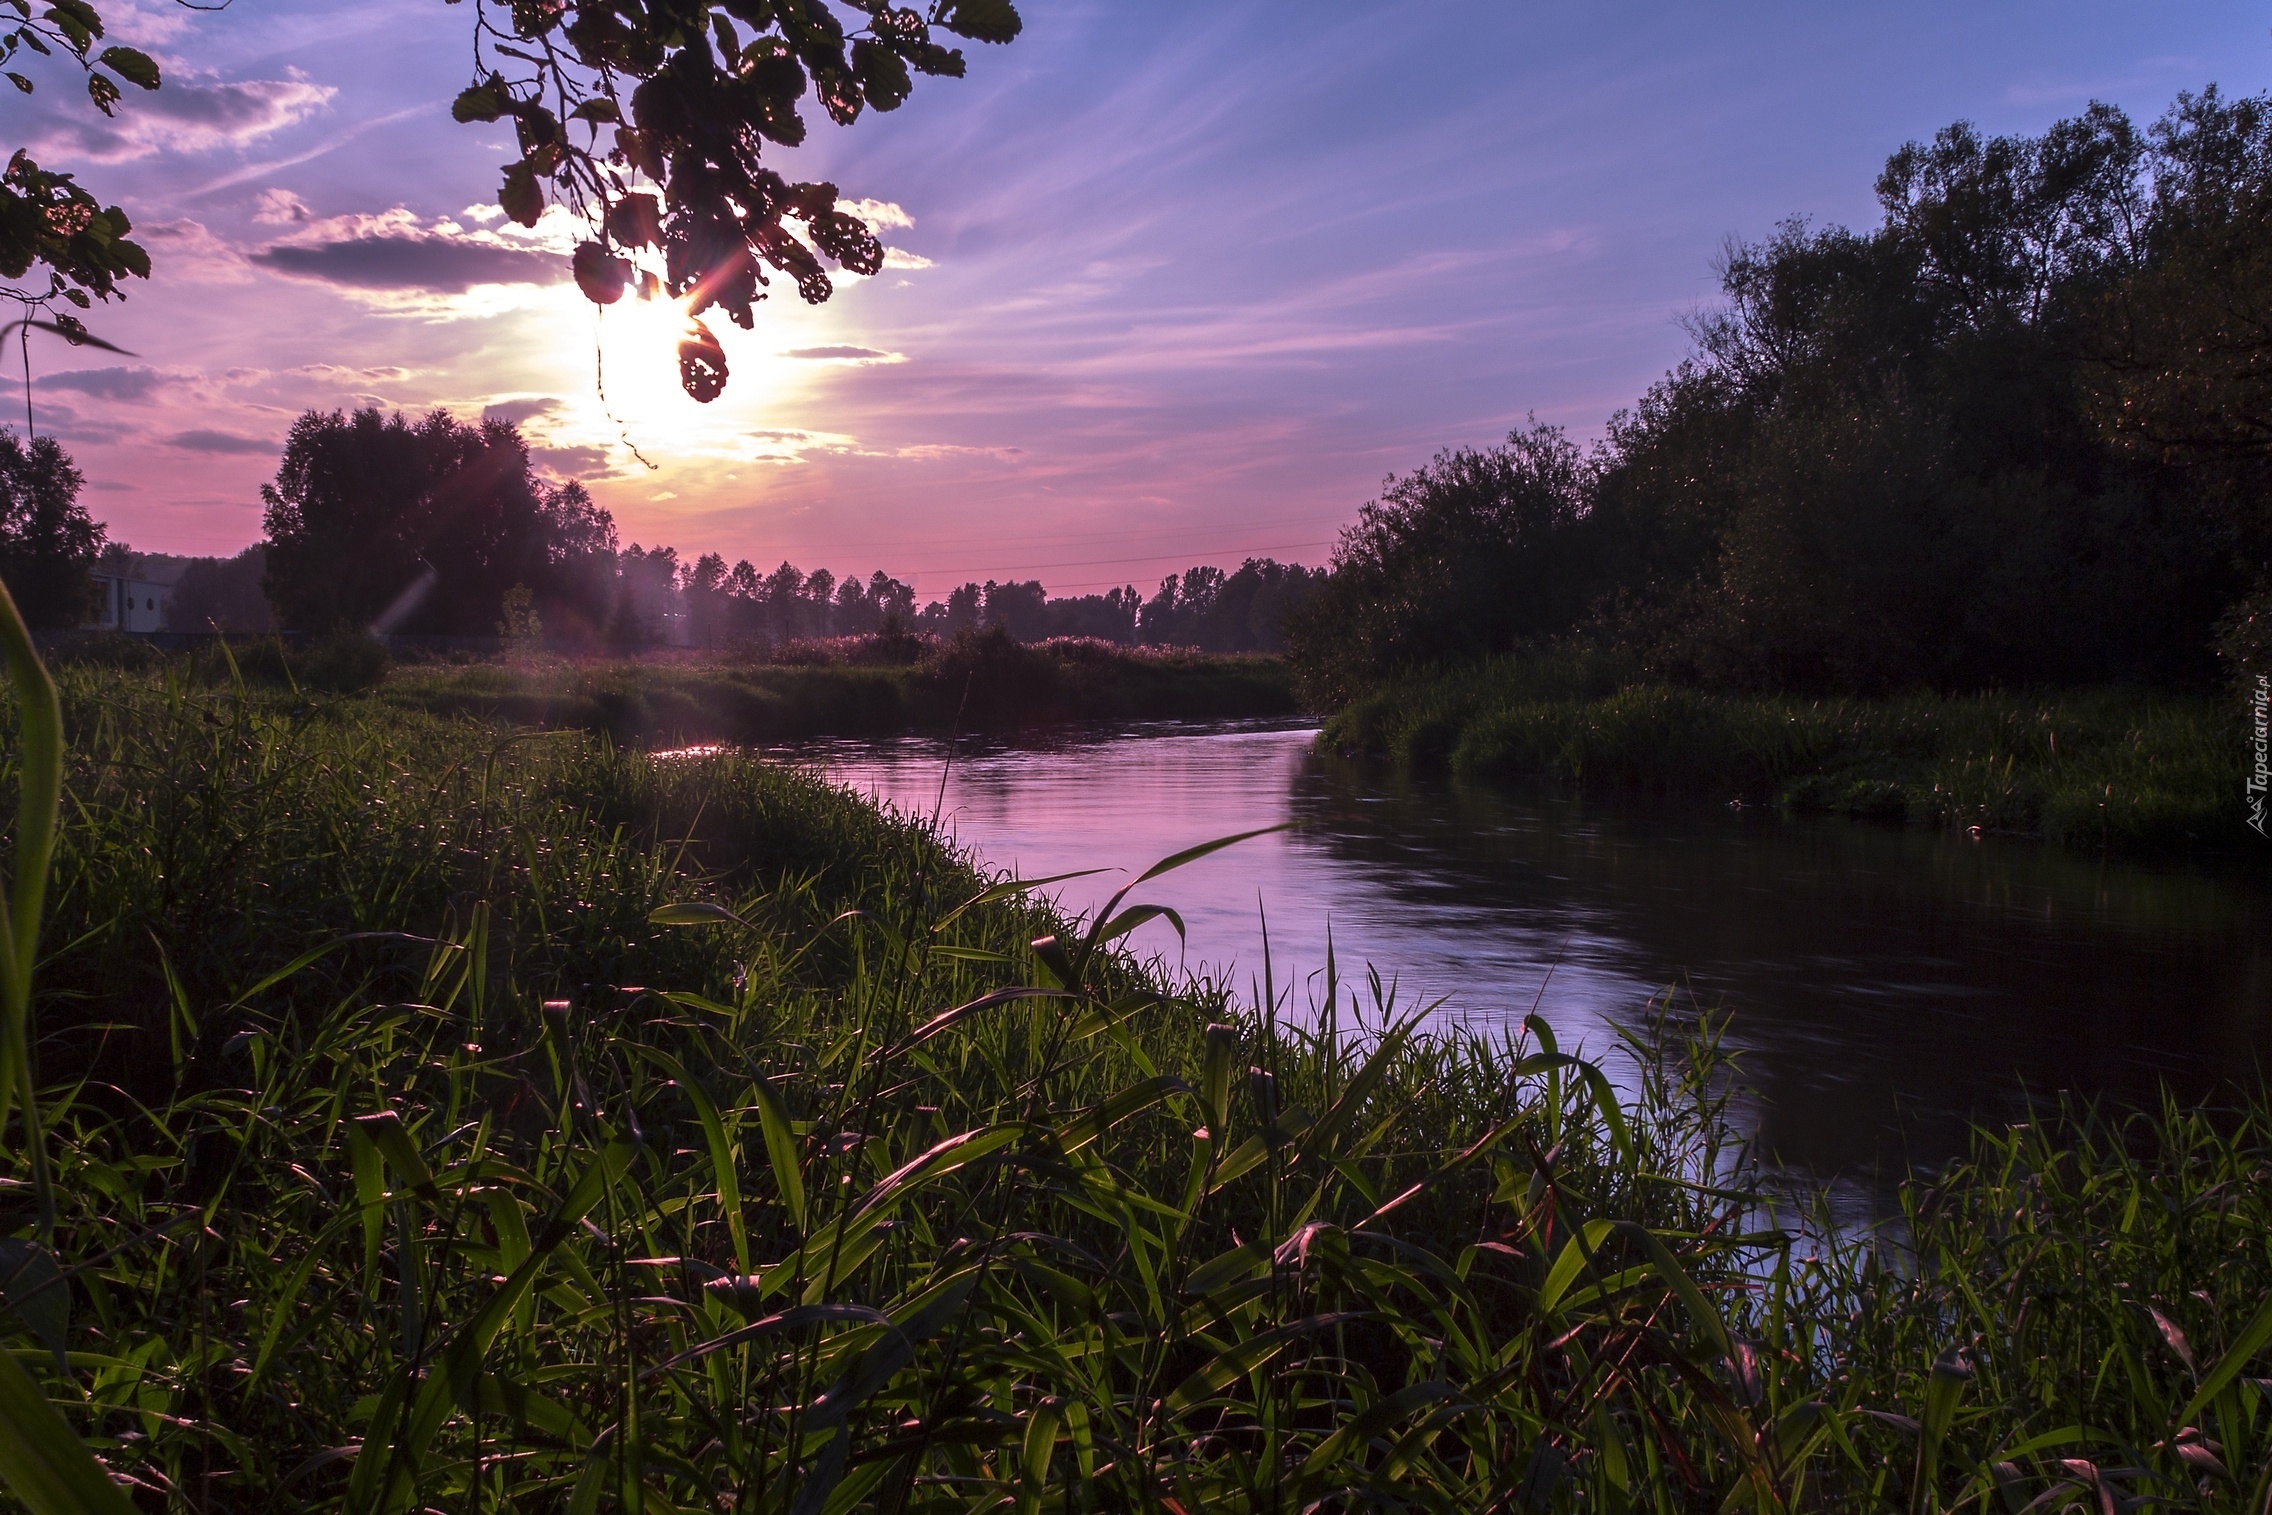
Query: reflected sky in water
(1886, 986)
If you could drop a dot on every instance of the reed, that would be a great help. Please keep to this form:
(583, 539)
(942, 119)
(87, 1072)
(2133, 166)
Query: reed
(444, 1117)
(2128, 771)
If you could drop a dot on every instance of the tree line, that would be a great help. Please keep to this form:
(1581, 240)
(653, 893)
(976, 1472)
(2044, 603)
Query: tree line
(439, 527)
(2017, 434)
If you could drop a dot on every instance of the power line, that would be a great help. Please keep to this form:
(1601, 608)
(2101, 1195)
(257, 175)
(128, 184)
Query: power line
(966, 544)
(1149, 557)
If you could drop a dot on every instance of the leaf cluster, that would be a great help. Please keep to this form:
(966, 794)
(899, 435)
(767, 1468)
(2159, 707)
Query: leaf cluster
(45, 217)
(691, 97)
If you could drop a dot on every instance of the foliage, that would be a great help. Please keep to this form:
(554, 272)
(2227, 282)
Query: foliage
(1242, 611)
(378, 522)
(694, 95)
(1464, 555)
(891, 1191)
(45, 217)
(223, 594)
(2131, 771)
(2016, 435)
(49, 545)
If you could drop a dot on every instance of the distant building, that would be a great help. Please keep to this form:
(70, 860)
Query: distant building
(134, 596)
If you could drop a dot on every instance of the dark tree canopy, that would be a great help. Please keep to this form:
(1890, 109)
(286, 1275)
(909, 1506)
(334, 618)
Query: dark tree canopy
(1466, 555)
(424, 526)
(48, 542)
(2019, 433)
(689, 97)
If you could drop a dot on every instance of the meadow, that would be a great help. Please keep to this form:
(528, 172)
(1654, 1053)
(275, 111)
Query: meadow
(439, 1114)
(849, 686)
(2123, 770)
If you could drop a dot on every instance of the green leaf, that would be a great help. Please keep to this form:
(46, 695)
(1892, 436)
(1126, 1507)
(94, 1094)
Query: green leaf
(1194, 854)
(781, 1152)
(2252, 1339)
(388, 1135)
(387, 1480)
(485, 101)
(76, 16)
(102, 91)
(1099, 1119)
(693, 913)
(1701, 1314)
(984, 20)
(32, 1286)
(722, 1167)
(1215, 1079)
(1242, 1359)
(41, 1461)
(520, 197)
(946, 1019)
(135, 67)
(20, 82)
(636, 220)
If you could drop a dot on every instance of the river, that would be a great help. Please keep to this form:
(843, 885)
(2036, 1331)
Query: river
(1885, 987)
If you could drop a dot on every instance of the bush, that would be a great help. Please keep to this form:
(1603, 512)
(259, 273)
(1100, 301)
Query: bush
(344, 662)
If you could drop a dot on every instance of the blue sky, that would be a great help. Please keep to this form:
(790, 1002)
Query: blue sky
(1174, 282)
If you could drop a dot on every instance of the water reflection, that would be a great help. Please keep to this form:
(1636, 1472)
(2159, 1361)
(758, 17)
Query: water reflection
(1886, 986)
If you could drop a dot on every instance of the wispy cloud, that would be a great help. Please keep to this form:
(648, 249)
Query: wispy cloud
(203, 440)
(439, 264)
(136, 383)
(844, 354)
(189, 116)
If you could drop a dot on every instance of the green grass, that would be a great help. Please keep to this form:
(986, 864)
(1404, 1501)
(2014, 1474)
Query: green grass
(973, 682)
(445, 1117)
(2129, 771)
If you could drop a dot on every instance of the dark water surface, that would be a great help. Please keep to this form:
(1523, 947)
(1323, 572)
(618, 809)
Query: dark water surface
(1886, 987)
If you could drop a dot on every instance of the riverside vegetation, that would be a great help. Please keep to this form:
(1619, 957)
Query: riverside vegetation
(854, 686)
(834, 686)
(439, 1115)
(1923, 497)
(2126, 770)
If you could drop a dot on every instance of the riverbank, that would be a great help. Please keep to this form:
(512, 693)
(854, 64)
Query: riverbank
(843, 686)
(523, 1120)
(2126, 771)
(850, 688)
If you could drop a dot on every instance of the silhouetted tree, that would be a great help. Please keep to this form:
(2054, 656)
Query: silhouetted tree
(48, 542)
(223, 594)
(2017, 434)
(424, 527)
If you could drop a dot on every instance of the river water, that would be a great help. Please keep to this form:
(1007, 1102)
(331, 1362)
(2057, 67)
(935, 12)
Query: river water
(1885, 987)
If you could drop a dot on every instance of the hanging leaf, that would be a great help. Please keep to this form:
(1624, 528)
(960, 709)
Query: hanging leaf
(520, 197)
(133, 66)
(636, 221)
(985, 20)
(485, 101)
(701, 364)
(600, 274)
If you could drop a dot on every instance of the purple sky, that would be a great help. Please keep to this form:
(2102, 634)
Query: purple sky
(1174, 282)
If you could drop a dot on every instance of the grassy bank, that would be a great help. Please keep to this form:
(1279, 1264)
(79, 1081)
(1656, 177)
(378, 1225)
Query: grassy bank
(851, 688)
(444, 1117)
(2126, 770)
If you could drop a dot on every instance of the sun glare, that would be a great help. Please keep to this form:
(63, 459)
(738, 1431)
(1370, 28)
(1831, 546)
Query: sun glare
(637, 385)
